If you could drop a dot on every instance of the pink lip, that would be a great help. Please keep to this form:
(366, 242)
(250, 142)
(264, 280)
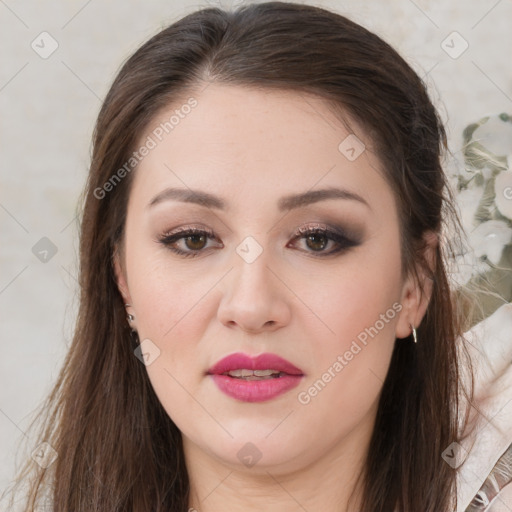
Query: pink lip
(239, 361)
(255, 390)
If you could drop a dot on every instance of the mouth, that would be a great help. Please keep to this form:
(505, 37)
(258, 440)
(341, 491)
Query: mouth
(246, 374)
(258, 379)
(264, 366)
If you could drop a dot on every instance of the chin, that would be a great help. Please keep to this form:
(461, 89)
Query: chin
(254, 449)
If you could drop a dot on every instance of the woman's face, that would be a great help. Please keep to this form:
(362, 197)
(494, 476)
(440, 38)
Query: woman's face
(245, 168)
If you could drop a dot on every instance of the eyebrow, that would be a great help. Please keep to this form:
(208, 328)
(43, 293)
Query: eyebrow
(285, 203)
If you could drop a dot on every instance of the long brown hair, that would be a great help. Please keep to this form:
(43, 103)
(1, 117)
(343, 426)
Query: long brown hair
(117, 448)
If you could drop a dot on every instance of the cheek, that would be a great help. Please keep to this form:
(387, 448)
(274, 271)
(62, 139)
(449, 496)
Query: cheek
(350, 367)
(356, 297)
(174, 310)
(165, 295)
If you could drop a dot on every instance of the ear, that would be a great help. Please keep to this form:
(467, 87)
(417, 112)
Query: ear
(120, 276)
(414, 303)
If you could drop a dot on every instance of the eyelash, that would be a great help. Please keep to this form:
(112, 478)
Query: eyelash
(343, 241)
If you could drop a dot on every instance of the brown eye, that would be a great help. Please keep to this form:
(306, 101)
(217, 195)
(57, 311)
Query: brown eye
(316, 239)
(317, 242)
(195, 242)
(190, 242)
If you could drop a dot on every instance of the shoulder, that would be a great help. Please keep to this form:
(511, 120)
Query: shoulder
(485, 453)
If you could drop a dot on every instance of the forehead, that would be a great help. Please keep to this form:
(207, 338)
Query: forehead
(256, 143)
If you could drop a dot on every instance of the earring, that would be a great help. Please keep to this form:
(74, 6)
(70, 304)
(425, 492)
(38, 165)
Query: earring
(414, 333)
(131, 318)
(134, 335)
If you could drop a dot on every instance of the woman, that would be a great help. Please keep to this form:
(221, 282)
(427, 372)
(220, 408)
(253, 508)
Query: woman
(262, 218)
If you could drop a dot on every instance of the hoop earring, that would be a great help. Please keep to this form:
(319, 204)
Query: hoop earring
(130, 318)
(414, 333)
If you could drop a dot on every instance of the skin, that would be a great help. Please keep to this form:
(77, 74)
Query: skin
(251, 147)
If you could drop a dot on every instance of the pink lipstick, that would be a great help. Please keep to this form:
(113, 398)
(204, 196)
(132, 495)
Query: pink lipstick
(255, 379)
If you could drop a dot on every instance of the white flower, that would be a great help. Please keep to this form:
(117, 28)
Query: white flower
(489, 239)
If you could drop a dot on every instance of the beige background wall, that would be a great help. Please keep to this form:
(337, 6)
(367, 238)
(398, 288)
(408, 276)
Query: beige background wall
(48, 110)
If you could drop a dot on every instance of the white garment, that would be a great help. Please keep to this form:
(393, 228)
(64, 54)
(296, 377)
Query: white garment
(490, 347)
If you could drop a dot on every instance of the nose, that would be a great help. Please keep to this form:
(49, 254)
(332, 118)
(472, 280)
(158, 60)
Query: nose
(254, 297)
